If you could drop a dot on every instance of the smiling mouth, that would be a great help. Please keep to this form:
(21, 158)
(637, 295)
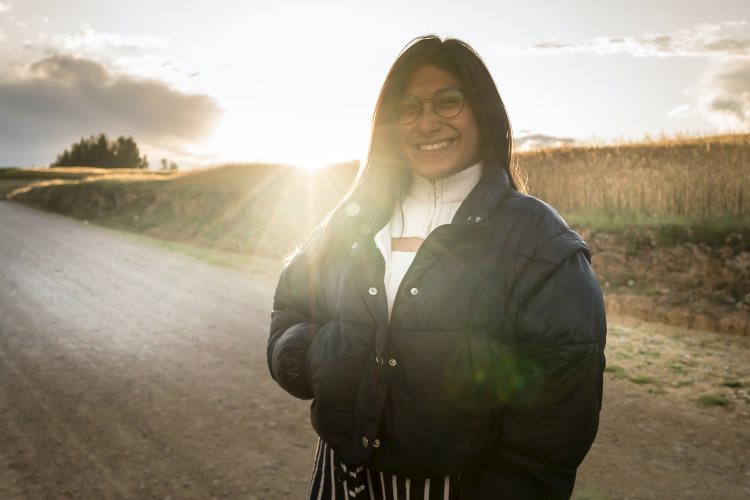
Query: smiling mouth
(437, 146)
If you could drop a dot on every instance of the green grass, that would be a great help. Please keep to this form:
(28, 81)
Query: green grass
(666, 230)
(653, 354)
(38, 174)
(74, 173)
(248, 209)
(642, 379)
(734, 384)
(708, 400)
(684, 383)
(678, 368)
(9, 185)
(616, 371)
(15, 178)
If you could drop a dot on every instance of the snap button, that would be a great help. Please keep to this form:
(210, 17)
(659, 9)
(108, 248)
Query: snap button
(414, 291)
(376, 443)
(365, 442)
(373, 290)
(354, 245)
(392, 362)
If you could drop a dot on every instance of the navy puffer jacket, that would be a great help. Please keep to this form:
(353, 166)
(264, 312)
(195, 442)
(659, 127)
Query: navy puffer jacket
(491, 366)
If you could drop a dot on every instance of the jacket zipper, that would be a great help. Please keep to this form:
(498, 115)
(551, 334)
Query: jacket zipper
(433, 194)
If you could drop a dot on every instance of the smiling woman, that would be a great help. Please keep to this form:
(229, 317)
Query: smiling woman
(442, 138)
(450, 330)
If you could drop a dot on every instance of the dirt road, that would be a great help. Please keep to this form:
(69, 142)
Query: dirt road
(131, 371)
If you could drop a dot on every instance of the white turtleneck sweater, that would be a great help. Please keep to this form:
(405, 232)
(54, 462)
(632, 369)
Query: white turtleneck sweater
(429, 204)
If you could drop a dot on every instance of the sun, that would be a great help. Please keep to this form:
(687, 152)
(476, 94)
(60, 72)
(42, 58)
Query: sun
(312, 165)
(231, 142)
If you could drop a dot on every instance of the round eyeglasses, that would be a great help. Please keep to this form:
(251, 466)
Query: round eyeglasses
(447, 102)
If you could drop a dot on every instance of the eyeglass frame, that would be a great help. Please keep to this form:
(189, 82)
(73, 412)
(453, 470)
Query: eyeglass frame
(421, 106)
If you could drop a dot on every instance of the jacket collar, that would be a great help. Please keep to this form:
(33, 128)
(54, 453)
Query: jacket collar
(493, 187)
(486, 196)
(453, 188)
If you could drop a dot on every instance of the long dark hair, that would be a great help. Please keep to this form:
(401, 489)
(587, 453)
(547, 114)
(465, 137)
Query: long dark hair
(384, 176)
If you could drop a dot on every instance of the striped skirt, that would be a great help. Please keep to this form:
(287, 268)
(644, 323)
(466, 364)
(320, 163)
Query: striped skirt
(334, 480)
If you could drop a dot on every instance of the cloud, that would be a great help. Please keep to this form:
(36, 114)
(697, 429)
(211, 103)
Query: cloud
(88, 40)
(726, 95)
(729, 39)
(128, 53)
(526, 141)
(723, 96)
(158, 67)
(59, 99)
(5, 7)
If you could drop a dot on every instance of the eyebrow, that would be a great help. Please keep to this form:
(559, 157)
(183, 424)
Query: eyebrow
(438, 90)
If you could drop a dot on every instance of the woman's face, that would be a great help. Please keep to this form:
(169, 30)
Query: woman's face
(435, 146)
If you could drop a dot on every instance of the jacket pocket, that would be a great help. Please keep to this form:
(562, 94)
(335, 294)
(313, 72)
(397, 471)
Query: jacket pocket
(335, 362)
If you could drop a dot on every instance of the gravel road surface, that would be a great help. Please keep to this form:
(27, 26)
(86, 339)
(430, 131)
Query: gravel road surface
(131, 371)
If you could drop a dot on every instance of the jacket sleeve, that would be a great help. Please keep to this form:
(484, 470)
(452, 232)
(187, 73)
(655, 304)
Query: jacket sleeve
(552, 419)
(293, 326)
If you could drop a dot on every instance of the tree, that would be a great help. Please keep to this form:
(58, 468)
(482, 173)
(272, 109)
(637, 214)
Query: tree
(98, 151)
(165, 165)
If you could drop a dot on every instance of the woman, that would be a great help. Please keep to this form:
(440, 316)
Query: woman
(448, 327)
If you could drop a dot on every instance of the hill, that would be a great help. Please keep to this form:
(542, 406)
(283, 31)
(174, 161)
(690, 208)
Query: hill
(668, 222)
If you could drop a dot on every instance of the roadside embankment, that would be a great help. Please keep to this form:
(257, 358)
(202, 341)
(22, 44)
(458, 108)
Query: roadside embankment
(685, 284)
(684, 272)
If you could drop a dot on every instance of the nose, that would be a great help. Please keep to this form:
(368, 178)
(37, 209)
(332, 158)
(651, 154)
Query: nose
(428, 121)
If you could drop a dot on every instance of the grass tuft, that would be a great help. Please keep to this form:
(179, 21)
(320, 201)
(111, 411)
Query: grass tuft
(713, 400)
(684, 383)
(678, 368)
(735, 384)
(642, 379)
(617, 371)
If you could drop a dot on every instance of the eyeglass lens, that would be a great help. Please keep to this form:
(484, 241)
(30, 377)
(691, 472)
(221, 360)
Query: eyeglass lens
(447, 102)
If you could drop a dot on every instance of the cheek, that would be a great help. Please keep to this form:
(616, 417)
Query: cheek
(472, 134)
(476, 139)
(402, 139)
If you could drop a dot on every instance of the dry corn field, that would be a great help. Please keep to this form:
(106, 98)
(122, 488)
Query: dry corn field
(692, 178)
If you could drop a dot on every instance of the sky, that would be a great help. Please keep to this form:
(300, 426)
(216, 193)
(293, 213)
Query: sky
(204, 82)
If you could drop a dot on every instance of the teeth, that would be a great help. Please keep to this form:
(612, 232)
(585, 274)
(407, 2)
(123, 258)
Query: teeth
(434, 147)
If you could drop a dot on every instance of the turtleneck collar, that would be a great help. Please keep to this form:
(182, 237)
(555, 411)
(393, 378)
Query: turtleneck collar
(451, 189)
